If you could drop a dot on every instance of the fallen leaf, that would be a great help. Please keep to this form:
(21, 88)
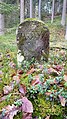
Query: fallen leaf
(27, 105)
(62, 100)
(53, 72)
(12, 64)
(48, 93)
(19, 71)
(27, 116)
(65, 77)
(7, 89)
(10, 111)
(22, 89)
(36, 80)
(16, 78)
(62, 52)
(58, 67)
(31, 71)
(48, 117)
(3, 98)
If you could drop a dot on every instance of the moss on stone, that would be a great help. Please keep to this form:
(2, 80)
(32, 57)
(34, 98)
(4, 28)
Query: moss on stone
(33, 38)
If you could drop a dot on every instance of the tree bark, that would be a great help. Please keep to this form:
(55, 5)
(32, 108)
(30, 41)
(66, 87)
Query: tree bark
(30, 8)
(66, 33)
(39, 9)
(1, 22)
(21, 11)
(63, 13)
(52, 17)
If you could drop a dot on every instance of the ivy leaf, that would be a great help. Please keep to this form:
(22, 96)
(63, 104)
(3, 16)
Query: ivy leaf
(18, 102)
(1, 74)
(65, 84)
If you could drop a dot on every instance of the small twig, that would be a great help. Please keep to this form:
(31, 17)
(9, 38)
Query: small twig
(58, 48)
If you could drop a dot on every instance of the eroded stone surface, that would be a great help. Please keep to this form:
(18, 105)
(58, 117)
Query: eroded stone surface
(33, 39)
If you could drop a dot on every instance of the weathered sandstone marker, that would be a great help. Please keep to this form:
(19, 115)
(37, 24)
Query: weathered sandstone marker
(33, 39)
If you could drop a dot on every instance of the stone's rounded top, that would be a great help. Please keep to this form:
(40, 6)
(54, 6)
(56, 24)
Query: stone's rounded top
(33, 19)
(33, 38)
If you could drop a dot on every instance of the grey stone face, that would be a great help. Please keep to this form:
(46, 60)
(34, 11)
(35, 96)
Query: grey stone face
(33, 39)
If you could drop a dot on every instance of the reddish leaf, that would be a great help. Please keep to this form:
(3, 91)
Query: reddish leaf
(17, 79)
(62, 100)
(10, 111)
(31, 71)
(48, 117)
(3, 98)
(8, 55)
(22, 89)
(65, 77)
(63, 53)
(52, 71)
(12, 64)
(19, 71)
(7, 89)
(27, 105)
(58, 67)
(48, 93)
(13, 74)
(27, 116)
(36, 81)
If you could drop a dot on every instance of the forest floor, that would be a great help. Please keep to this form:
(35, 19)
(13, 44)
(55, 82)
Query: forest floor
(56, 66)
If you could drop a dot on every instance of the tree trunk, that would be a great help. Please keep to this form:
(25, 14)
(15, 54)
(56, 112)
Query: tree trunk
(52, 17)
(30, 8)
(17, 2)
(21, 11)
(63, 13)
(66, 33)
(1, 22)
(39, 9)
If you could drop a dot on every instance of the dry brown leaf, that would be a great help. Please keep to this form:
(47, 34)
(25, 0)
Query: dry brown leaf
(17, 79)
(27, 105)
(30, 71)
(7, 89)
(22, 89)
(36, 80)
(62, 100)
(48, 117)
(65, 77)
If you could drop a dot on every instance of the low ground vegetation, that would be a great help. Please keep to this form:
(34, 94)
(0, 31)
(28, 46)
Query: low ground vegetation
(43, 85)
